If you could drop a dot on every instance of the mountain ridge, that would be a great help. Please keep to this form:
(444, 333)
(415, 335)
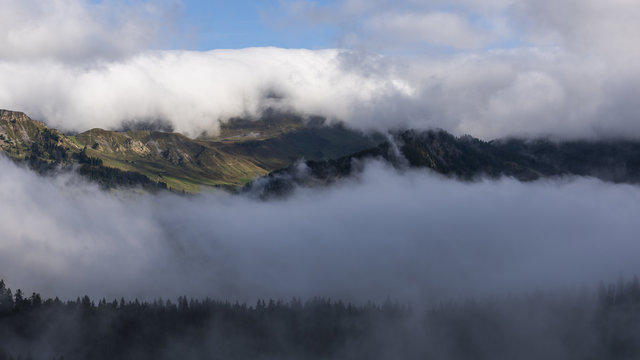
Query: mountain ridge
(272, 157)
(242, 151)
(467, 158)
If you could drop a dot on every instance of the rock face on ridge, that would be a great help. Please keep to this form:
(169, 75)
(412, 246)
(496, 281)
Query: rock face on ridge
(23, 138)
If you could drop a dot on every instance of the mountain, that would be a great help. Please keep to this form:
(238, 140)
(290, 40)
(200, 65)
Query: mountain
(467, 158)
(273, 155)
(243, 150)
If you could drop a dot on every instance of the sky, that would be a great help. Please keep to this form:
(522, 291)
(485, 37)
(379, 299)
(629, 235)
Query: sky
(491, 68)
(219, 24)
(314, 25)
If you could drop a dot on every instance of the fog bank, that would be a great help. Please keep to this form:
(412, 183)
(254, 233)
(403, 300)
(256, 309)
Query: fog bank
(412, 236)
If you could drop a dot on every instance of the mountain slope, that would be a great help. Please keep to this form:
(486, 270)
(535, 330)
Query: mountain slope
(182, 163)
(269, 150)
(20, 137)
(243, 151)
(468, 158)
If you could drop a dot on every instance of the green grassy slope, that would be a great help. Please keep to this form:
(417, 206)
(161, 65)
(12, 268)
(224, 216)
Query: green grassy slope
(243, 151)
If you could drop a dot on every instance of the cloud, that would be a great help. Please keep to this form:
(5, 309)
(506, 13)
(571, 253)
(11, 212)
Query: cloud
(192, 90)
(589, 26)
(412, 236)
(77, 30)
(399, 25)
(600, 27)
(522, 92)
(436, 28)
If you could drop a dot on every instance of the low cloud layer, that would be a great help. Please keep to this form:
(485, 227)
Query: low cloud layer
(191, 90)
(413, 236)
(499, 93)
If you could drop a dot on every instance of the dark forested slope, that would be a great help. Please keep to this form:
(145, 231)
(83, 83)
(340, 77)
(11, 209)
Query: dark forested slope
(468, 158)
(557, 325)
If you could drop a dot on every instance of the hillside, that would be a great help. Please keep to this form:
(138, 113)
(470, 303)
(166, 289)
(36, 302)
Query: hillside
(21, 137)
(262, 156)
(467, 158)
(242, 151)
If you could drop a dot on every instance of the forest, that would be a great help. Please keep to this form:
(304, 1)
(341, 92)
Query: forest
(567, 324)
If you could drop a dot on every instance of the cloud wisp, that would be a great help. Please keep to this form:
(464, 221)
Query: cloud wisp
(415, 237)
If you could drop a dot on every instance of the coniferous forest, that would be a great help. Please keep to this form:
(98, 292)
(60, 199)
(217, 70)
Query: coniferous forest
(602, 324)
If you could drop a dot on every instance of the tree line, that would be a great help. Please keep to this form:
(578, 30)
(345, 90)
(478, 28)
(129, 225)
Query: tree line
(580, 324)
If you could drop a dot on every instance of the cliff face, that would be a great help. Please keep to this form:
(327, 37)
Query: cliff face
(16, 128)
(8, 115)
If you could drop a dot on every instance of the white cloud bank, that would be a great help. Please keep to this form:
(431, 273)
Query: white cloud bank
(192, 90)
(77, 30)
(516, 92)
(414, 237)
